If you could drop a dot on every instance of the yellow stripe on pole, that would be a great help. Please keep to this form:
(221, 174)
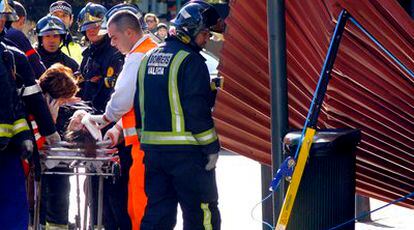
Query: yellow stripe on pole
(287, 206)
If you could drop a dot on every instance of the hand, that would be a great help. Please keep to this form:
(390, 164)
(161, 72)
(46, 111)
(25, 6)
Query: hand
(75, 122)
(53, 138)
(54, 106)
(212, 160)
(100, 120)
(113, 135)
(26, 149)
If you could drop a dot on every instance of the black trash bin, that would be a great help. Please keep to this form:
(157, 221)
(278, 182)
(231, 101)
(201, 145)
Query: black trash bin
(326, 193)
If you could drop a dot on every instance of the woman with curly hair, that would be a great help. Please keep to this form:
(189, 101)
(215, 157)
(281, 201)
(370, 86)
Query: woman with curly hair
(59, 87)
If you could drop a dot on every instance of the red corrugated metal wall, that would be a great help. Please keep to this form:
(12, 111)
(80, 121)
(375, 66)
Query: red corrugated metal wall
(367, 91)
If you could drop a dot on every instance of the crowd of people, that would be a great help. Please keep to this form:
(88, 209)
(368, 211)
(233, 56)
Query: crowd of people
(150, 93)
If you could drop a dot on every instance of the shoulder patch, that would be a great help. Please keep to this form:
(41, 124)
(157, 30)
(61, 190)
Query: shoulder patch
(110, 72)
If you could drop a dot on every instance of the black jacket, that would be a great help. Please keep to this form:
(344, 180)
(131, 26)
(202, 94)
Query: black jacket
(57, 57)
(173, 100)
(22, 43)
(12, 112)
(100, 68)
(35, 103)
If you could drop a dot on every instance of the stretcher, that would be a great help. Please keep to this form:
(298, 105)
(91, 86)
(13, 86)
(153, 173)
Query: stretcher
(103, 163)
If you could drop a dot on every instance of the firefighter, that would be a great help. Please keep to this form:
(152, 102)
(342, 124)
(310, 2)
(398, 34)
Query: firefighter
(30, 91)
(101, 62)
(63, 10)
(174, 101)
(127, 36)
(15, 34)
(15, 144)
(100, 67)
(52, 34)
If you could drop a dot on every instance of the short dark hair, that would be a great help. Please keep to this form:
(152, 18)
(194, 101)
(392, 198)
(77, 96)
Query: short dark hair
(125, 20)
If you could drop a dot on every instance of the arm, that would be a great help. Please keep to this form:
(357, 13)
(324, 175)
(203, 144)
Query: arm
(196, 102)
(32, 96)
(23, 43)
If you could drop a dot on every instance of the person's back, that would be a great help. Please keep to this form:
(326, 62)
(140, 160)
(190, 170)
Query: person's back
(23, 43)
(174, 101)
(15, 133)
(183, 100)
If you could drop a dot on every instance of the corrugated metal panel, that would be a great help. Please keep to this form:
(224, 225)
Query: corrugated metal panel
(367, 91)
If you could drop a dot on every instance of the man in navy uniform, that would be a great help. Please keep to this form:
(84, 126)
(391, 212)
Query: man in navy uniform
(52, 34)
(174, 100)
(101, 63)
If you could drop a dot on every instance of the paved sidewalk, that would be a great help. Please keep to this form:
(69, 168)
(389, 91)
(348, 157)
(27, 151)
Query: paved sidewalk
(239, 184)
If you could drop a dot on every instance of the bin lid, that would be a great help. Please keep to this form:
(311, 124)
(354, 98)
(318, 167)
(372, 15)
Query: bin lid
(322, 136)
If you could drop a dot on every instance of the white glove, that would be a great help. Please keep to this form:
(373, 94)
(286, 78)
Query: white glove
(53, 138)
(212, 160)
(100, 120)
(27, 149)
(113, 135)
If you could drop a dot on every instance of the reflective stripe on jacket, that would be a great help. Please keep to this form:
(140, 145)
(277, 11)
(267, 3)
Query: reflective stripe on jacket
(173, 95)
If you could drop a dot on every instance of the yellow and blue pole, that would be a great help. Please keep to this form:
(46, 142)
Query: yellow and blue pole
(309, 129)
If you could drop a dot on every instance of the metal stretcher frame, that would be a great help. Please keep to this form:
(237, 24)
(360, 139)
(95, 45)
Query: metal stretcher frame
(76, 163)
(309, 128)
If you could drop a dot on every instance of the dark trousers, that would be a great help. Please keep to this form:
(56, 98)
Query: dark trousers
(55, 198)
(14, 210)
(179, 177)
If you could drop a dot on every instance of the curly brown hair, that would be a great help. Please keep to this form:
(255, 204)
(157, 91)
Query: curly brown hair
(58, 81)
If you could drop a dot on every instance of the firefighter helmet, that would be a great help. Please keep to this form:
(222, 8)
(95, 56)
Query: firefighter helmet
(7, 10)
(196, 16)
(91, 16)
(49, 25)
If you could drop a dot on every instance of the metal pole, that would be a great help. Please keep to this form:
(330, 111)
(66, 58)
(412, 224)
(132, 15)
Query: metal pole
(278, 85)
(177, 6)
(267, 206)
(100, 202)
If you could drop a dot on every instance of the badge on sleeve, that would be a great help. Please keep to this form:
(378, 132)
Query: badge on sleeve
(110, 72)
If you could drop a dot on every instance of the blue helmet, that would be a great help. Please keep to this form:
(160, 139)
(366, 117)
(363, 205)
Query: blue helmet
(7, 10)
(122, 6)
(49, 25)
(90, 16)
(196, 16)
